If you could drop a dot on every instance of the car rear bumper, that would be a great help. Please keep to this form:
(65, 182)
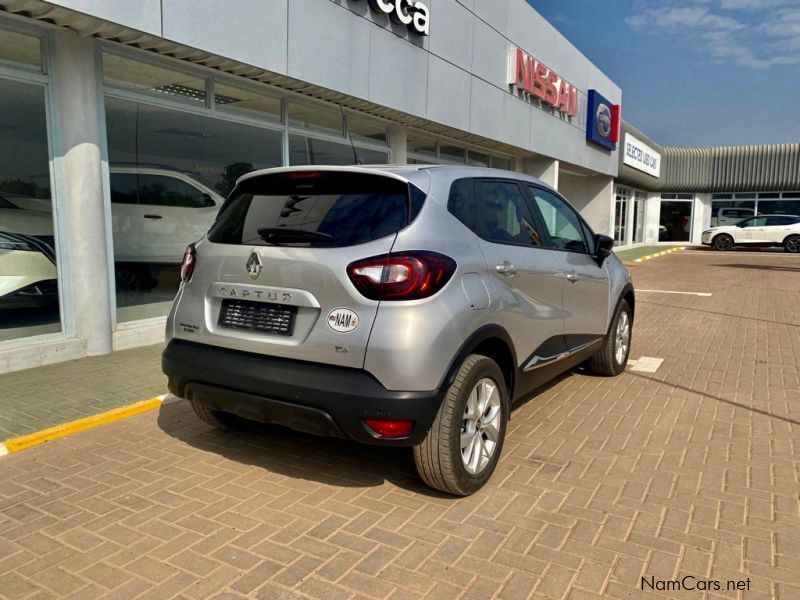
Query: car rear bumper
(311, 397)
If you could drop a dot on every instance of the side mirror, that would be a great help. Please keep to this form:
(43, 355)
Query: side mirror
(208, 201)
(603, 245)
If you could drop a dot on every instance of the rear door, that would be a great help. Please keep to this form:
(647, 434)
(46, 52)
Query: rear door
(778, 227)
(528, 279)
(587, 291)
(174, 213)
(271, 276)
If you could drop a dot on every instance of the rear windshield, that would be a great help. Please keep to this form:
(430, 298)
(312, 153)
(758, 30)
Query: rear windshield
(315, 209)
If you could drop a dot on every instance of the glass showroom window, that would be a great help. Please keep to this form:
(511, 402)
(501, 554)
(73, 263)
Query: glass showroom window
(170, 170)
(423, 150)
(727, 209)
(29, 302)
(318, 136)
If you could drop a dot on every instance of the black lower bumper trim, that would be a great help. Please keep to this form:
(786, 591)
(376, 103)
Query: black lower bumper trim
(310, 397)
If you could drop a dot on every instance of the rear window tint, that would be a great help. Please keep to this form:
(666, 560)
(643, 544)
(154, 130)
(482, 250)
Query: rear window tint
(461, 202)
(334, 209)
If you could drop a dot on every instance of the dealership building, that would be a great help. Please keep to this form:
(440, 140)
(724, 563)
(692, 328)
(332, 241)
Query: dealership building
(123, 125)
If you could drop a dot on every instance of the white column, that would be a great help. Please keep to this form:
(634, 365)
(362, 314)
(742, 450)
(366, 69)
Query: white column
(652, 218)
(593, 196)
(630, 203)
(398, 144)
(81, 211)
(540, 167)
(701, 216)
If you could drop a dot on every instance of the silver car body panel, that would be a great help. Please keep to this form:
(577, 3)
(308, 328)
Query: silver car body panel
(405, 345)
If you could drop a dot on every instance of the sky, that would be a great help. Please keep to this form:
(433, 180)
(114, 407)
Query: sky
(694, 72)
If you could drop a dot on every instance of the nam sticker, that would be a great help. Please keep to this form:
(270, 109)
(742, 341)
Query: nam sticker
(343, 320)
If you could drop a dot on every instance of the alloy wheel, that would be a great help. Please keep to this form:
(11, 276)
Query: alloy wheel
(480, 427)
(623, 337)
(723, 243)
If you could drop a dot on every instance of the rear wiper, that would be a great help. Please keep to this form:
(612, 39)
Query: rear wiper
(283, 235)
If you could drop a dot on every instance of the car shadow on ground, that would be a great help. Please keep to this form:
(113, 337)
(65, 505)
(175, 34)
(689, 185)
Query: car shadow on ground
(330, 461)
(760, 267)
(296, 455)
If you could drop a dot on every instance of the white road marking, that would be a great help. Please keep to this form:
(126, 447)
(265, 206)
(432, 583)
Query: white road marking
(706, 294)
(647, 364)
(717, 254)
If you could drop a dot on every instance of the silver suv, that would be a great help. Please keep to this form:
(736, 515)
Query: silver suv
(403, 306)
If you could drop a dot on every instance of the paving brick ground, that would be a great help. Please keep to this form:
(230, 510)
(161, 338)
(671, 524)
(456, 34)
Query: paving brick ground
(35, 399)
(692, 470)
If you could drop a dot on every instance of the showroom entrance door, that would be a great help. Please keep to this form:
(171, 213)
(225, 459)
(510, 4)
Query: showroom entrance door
(639, 200)
(675, 219)
(623, 197)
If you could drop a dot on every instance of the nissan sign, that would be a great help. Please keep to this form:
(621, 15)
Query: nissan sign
(535, 81)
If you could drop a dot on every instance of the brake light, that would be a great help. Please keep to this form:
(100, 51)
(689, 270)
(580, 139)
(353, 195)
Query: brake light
(390, 429)
(188, 262)
(302, 175)
(402, 275)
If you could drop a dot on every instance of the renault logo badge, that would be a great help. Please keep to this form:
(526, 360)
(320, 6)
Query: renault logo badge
(254, 265)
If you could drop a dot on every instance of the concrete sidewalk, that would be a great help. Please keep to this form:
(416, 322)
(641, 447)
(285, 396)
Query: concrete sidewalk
(38, 398)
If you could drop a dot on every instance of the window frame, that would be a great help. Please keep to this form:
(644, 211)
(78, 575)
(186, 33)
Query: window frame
(789, 220)
(41, 77)
(744, 223)
(585, 229)
(536, 222)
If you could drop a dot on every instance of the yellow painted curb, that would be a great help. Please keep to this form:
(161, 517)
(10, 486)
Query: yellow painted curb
(53, 433)
(657, 254)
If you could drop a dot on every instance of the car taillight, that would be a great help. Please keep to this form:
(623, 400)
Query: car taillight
(188, 262)
(390, 429)
(401, 275)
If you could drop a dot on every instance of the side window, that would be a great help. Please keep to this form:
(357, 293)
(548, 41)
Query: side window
(461, 202)
(123, 188)
(503, 216)
(159, 190)
(755, 222)
(563, 225)
(776, 221)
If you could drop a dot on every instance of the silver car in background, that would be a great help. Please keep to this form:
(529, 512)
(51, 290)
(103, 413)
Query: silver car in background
(403, 306)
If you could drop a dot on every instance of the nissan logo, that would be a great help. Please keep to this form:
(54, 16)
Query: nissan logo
(603, 120)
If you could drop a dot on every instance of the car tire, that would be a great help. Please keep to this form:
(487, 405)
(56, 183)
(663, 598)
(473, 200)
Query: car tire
(612, 359)
(722, 242)
(440, 460)
(792, 244)
(218, 418)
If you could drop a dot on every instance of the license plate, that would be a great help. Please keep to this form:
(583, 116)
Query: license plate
(264, 317)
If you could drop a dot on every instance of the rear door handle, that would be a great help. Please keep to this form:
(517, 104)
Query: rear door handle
(572, 277)
(506, 269)
(153, 217)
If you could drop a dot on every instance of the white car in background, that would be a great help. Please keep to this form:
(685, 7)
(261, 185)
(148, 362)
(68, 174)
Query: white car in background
(155, 214)
(761, 230)
(28, 277)
(731, 216)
